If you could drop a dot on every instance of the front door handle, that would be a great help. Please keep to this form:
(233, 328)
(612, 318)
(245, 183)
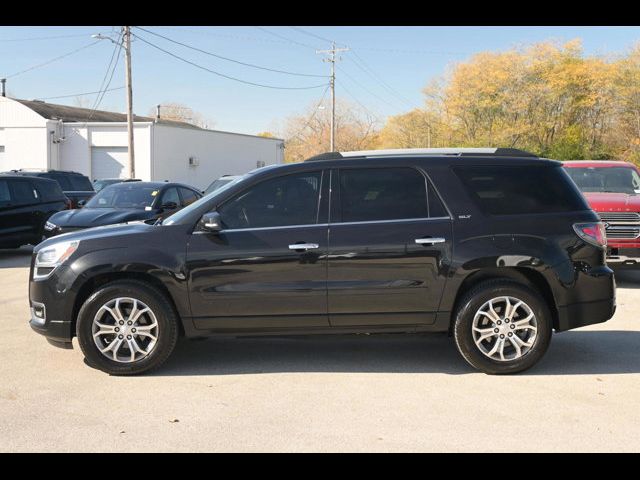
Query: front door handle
(430, 240)
(303, 246)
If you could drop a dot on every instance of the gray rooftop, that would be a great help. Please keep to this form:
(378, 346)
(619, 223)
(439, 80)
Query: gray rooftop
(51, 111)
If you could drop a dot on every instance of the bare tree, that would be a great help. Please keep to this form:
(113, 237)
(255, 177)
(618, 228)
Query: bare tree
(182, 113)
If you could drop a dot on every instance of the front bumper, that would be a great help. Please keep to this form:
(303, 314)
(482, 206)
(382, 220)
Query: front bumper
(53, 295)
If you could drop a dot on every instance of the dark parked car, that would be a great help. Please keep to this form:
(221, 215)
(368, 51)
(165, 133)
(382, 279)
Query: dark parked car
(221, 182)
(76, 187)
(124, 202)
(25, 205)
(105, 182)
(495, 246)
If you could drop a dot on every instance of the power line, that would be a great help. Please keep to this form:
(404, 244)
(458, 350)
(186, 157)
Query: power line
(313, 115)
(116, 49)
(81, 94)
(85, 35)
(52, 60)
(230, 59)
(119, 45)
(375, 115)
(298, 29)
(201, 31)
(366, 89)
(222, 74)
(306, 45)
(379, 79)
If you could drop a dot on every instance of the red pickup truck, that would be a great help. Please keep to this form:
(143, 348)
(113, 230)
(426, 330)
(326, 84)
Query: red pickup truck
(612, 188)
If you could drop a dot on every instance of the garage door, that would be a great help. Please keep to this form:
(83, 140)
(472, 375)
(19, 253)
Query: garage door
(109, 162)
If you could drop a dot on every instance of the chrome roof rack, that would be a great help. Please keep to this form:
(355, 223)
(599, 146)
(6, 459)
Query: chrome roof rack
(458, 152)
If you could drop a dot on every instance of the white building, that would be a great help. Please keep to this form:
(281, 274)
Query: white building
(35, 134)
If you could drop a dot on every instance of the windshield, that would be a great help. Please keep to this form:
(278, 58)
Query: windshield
(178, 216)
(100, 184)
(124, 195)
(217, 184)
(606, 179)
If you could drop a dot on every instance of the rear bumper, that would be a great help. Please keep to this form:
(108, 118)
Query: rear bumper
(586, 313)
(623, 256)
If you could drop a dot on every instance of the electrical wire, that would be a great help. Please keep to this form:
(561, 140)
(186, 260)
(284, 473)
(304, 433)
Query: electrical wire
(298, 29)
(222, 74)
(366, 89)
(231, 59)
(376, 116)
(120, 46)
(306, 45)
(116, 49)
(315, 111)
(52, 60)
(44, 38)
(81, 94)
(364, 67)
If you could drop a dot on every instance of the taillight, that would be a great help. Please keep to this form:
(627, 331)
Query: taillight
(593, 233)
(68, 203)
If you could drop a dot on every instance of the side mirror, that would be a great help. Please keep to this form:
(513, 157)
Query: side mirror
(81, 203)
(169, 206)
(211, 222)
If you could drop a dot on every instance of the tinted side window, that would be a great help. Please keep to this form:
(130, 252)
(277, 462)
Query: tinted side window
(171, 195)
(506, 190)
(371, 194)
(80, 183)
(287, 200)
(49, 191)
(23, 193)
(61, 179)
(188, 196)
(436, 208)
(5, 196)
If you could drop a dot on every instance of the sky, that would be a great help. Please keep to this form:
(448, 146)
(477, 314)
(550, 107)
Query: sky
(384, 70)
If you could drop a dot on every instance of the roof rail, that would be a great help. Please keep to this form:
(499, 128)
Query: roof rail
(459, 152)
(325, 156)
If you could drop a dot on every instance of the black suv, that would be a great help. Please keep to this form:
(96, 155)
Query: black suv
(76, 187)
(25, 206)
(495, 246)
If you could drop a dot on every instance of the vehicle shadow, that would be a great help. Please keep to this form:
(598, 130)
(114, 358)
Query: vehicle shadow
(15, 257)
(627, 277)
(570, 353)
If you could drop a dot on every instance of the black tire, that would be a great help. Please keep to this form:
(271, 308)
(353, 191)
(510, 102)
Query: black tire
(165, 315)
(466, 311)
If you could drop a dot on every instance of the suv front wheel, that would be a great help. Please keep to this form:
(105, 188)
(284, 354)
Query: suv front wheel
(126, 327)
(502, 327)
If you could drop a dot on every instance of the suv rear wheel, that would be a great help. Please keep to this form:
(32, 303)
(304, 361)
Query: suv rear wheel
(502, 326)
(127, 327)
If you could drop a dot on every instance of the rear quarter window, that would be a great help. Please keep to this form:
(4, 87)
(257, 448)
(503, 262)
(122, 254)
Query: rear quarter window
(80, 183)
(512, 190)
(49, 191)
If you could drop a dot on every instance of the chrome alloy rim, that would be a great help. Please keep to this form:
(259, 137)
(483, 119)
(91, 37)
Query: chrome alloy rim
(125, 330)
(505, 329)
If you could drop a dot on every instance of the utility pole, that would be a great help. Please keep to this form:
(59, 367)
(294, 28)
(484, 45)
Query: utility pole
(126, 39)
(3, 81)
(332, 59)
(127, 48)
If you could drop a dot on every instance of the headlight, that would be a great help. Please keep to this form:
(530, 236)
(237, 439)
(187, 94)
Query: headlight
(51, 257)
(48, 226)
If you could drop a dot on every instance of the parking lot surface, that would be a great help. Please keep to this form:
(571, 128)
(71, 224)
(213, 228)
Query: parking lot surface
(329, 393)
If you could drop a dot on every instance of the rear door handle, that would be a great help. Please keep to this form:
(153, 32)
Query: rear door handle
(303, 246)
(430, 240)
